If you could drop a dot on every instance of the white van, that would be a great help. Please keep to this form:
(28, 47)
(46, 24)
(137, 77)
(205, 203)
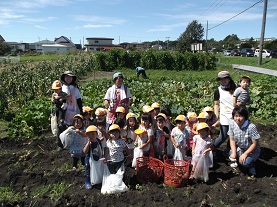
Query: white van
(265, 53)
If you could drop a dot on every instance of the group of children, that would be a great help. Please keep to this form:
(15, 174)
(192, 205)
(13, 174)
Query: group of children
(154, 133)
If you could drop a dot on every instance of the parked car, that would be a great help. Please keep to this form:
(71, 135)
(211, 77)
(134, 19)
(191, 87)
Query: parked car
(273, 53)
(246, 52)
(235, 52)
(227, 52)
(265, 53)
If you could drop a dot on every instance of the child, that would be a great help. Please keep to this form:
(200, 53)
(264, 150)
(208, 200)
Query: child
(191, 125)
(211, 120)
(241, 96)
(78, 140)
(87, 114)
(116, 147)
(100, 113)
(201, 146)
(150, 110)
(244, 140)
(144, 140)
(180, 135)
(170, 148)
(74, 98)
(157, 108)
(131, 126)
(93, 150)
(59, 99)
(103, 136)
(120, 114)
(161, 134)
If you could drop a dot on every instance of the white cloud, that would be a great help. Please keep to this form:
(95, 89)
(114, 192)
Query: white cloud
(96, 25)
(100, 19)
(31, 4)
(34, 20)
(9, 14)
(40, 27)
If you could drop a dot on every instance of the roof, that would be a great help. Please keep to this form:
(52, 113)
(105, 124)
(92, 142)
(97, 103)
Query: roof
(54, 45)
(99, 38)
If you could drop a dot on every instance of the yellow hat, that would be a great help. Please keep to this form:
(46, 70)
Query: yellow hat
(201, 125)
(100, 112)
(202, 115)
(114, 127)
(120, 109)
(139, 131)
(56, 85)
(191, 116)
(78, 116)
(130, 115)
(162, 115)
(156, 105)
(208, 108)
(144, 108)
(181, 118)
(87, 109)
(91, 128)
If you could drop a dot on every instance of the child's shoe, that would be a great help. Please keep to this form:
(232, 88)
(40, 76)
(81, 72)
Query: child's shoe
(87, 183)
(234, 163)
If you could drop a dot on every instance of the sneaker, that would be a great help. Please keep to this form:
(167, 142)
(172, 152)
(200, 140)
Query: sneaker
(252, 178)
(234, 164)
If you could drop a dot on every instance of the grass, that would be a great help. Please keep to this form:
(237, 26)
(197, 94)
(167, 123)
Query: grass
(8, 195)
(269, 63)
(39, 57)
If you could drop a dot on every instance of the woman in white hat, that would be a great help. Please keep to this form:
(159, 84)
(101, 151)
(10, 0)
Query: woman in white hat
(223, 106)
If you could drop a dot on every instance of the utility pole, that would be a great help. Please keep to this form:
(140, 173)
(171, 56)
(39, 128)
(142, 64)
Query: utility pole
(167, 42)
(262, 34)
(207, 38)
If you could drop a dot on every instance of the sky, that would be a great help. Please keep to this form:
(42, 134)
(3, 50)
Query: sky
(132, 20)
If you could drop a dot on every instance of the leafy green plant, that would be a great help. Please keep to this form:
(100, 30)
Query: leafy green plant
(8, 196)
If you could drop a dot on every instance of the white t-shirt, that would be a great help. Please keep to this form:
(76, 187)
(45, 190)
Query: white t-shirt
(116, 149)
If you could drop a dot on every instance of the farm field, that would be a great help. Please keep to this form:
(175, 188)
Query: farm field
(35, 174)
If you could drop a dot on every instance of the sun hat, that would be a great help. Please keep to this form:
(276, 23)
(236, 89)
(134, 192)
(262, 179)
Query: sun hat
(69, 73)
(56, 85)
(120, 109)
(114, 127)
(117, 74)
(78, 116)
(91, 128)
(208, 109)
(156, 105)
(202, 115)
(245, 77)
(223, 74)
(87, 109)
(130, 115)
(191, 116)
(162, 115)
(100, 112)
(181, 118)
(202, 125)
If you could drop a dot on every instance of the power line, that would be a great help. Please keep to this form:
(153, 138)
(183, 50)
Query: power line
(236, 15)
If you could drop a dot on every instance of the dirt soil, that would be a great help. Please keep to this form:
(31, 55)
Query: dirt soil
(28, 165)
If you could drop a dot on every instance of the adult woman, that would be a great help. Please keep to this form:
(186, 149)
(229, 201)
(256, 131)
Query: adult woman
(223, 105)
(117, 95)
(74, 98)
(244, 140)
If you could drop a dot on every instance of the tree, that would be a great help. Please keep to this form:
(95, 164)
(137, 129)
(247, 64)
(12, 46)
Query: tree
(193, 34)
(4, 49)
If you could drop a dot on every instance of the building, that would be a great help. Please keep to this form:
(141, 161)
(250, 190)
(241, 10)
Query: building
(100, 44)
(133, 45)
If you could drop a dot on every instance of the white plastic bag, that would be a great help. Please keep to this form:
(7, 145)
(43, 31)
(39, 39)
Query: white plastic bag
(201, 171)
(66, 138)
(96, 170)
(113, 183)
(54, 124)
(178, 154)
(137, 153)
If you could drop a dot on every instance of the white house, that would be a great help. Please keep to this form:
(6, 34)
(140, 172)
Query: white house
(55, 48)
(100, 44)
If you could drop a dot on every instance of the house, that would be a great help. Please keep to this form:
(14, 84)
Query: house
(100, 44)
(2, 39)
(37, 46)
(23, 47)
(133, 45)
(55, 48)
(66, 42)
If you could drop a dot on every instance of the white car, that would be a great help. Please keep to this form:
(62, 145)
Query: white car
(265, 53)
(227, 52)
